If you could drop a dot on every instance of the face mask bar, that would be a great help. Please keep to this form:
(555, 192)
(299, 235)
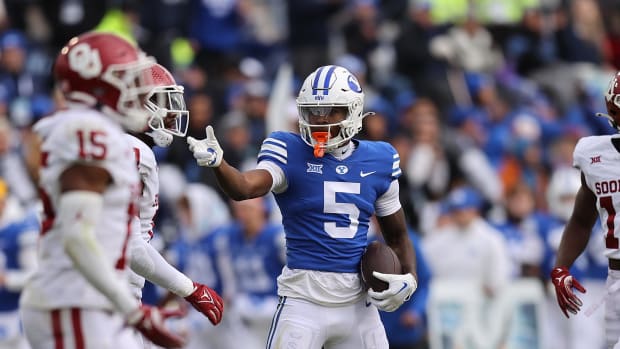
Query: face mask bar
(169, 113)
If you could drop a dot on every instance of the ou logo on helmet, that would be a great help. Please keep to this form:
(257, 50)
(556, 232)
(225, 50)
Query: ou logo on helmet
(354, 85)
(85, 61)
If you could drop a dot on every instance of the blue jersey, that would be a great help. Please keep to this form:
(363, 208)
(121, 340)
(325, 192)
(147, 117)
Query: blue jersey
(257, 262)
(12, 238)
(327, 205)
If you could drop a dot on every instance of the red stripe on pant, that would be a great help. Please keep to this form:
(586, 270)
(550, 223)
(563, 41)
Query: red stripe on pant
(57, 329)
(76, 325)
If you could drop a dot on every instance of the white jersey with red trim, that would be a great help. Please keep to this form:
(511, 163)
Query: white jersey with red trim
(148, 203)
(598, 158)
(82, 136)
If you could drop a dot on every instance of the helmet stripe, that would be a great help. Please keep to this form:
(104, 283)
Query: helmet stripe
(315, 83)
(328, 77)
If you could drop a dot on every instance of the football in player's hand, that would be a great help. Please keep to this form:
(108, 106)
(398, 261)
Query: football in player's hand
(381, 258)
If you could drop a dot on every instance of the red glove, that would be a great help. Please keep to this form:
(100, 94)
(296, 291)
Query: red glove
(207, 301)
(150, 322)
(564, 283)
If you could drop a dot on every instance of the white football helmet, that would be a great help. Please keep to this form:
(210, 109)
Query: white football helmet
(563, 187)
(169, 115)
(326, 88)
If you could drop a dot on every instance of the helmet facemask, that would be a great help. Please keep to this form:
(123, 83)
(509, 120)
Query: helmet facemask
(169, 114)
(612, 102)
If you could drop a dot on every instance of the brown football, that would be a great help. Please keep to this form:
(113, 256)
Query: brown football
(381, 258)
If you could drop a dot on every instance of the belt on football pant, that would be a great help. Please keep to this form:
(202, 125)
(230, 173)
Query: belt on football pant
(614, 264)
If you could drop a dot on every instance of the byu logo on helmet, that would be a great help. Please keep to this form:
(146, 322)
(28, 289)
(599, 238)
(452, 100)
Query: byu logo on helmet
(354, 84)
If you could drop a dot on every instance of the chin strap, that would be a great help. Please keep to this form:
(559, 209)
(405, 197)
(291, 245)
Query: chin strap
(161, 138)
(321, 140)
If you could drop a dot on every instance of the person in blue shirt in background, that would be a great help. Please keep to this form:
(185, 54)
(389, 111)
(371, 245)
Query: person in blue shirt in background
(258, 254)
(19, 231)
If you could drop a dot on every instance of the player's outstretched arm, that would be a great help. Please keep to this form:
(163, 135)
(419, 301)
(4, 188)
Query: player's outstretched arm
(401, 286)
(149, 263)
(236, 184)
(79, 210)
(574, 241)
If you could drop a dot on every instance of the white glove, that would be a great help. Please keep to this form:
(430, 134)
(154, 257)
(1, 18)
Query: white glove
(400, 289)
(206, 151)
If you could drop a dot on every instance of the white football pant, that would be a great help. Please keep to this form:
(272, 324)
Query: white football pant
(301, 324)
(77, 328)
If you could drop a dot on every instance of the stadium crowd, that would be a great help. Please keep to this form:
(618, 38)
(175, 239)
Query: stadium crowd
(484, 100)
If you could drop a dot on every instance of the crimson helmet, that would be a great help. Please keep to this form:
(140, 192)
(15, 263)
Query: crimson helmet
(169, 115)
(612, 102)
(106, 71)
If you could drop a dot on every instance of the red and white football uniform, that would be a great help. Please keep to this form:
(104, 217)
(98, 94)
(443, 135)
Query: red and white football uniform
(58, 294)
(148, 202)
(598, 158)
(82, 136)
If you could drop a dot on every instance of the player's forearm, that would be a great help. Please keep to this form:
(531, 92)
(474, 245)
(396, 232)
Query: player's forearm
(79, 211)
(239, 185)
(396, 236)
(574, 241)
(149, 263)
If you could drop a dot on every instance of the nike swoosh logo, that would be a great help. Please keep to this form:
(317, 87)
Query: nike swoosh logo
(364, 174)
(402, 288)
(368, 304)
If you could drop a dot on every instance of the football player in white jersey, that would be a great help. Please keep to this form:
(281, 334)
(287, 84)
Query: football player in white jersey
(79, 297)
(327, 186)
(598, 159)
(169, 118)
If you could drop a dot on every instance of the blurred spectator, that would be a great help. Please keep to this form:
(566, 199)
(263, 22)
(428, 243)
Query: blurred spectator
(532, 46)
(468, 247)
(258, 254)
(309, 33)
(19, 231)
(69, 18)
(467, 46)
(441, 159)
(13, 167)
(580, 33)
(413, 56)
(200, 213)
(521, 226)
(234, 131)
(361, 29)
(160, 23)
(216, 29)
(23, 87)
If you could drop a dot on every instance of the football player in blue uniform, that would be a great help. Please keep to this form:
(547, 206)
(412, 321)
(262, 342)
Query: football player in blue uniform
(327, 186)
